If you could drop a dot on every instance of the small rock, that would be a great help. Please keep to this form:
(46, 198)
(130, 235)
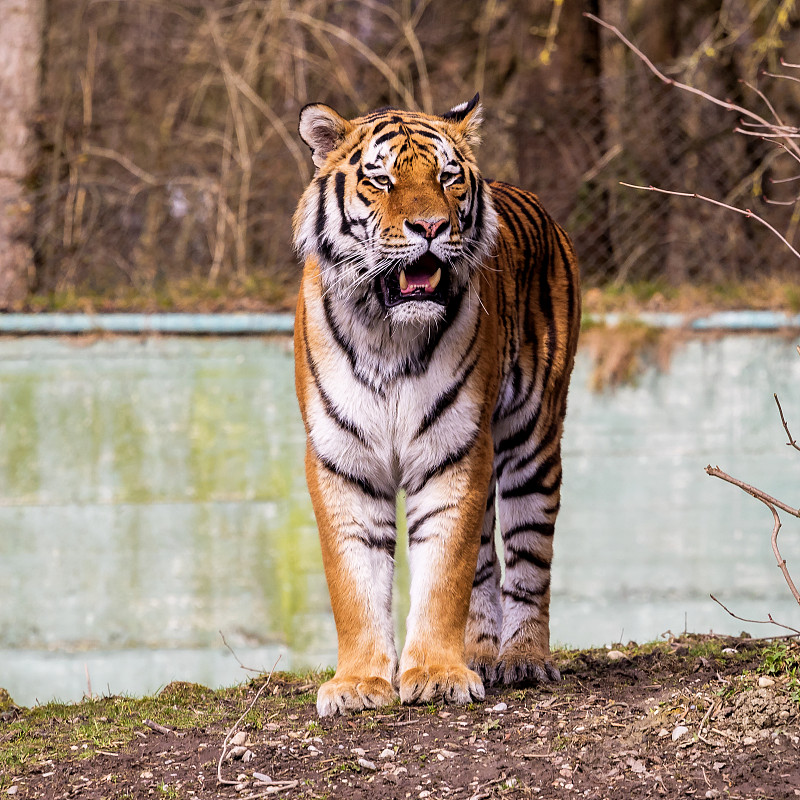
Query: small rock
(424, 793)
(679, 731)
(358, 751)
(712, 793)
(764, 681)
(748, 740)
(260, 776)
(387, 753)
(239, 738)
(662, 733)
(146, 775)
(615, 655)
(730, 651)
(248, 755)
(364, 764)
(499, 707)
(12, 790)
(637, 766)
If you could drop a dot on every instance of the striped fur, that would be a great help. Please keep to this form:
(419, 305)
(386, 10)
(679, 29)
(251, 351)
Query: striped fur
(435, 333)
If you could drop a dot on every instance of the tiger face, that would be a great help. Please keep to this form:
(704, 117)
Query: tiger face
(408, 221)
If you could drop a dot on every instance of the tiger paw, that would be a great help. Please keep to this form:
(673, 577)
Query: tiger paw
(453, 683)
(483, 663)
(345, 694)
(514, 668)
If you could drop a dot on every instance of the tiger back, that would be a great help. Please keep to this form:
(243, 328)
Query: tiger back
(435, 334)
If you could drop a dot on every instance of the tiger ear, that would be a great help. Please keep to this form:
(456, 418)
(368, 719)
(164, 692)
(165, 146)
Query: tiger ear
(466, 118)
(323, 130)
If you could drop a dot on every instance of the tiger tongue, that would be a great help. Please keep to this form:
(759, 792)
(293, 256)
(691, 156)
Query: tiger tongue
(411, 279)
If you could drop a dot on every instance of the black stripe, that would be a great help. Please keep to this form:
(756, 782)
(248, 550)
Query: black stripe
(520, 436)
(417, 524)
(387, 136)
(380, 126)
(513, 557)
(539, 528)
(344, 224)
(484, 574)
(368, 539)
(323, 182)
(346, 347)
(526, 596)
(450, 460)
(532, 485)
(362, 483)
(445, 400)
(330, 408)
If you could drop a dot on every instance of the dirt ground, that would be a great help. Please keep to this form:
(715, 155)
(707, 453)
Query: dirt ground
(689, 717)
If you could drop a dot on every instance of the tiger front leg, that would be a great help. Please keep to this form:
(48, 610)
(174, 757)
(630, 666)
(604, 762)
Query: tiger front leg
(485, 618)
(444, 520)
(357, 534)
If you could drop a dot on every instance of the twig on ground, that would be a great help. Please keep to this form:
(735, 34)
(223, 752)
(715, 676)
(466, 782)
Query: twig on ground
(232, 731)
(162, 729)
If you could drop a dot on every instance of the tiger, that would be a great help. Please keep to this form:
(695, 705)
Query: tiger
(435, 333)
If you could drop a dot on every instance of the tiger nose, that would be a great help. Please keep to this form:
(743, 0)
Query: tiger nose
(429, 228)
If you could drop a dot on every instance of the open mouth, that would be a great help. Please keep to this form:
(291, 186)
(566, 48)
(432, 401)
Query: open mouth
(423, 279)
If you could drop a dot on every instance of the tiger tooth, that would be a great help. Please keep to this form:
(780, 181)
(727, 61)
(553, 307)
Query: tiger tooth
(434, 279)
(402, 280)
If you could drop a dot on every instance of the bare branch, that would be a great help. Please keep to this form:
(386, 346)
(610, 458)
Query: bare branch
(791, 442)
(769, 621)
(672, 82)
(746, 212)
(772, 504)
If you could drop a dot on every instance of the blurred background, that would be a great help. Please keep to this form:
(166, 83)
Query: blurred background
(165, 163)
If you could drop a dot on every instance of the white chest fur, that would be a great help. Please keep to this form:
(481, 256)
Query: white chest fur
(378, 419)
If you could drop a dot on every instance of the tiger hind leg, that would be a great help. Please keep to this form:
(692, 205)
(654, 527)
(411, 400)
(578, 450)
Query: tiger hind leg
(529, 488)
(482, 640)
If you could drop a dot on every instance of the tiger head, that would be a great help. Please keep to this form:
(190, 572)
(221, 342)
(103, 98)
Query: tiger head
(397, 215)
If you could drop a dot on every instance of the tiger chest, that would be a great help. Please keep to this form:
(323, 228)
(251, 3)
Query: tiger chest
(395, 433)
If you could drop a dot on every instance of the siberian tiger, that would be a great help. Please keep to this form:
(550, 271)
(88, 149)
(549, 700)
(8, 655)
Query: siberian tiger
(436, 327)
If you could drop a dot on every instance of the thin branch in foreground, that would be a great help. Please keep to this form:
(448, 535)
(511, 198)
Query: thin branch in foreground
(249, 669)
(769, 621)
(232, 731)
(745, 212)
(771, 503)
(792, 442)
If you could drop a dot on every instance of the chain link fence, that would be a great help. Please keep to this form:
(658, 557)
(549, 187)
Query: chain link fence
(638, 131)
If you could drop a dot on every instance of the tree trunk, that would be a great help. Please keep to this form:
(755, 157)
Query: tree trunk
(21, 27)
